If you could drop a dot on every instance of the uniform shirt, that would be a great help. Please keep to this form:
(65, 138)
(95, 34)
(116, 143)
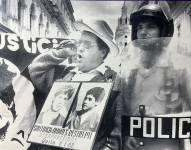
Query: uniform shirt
(148, 88)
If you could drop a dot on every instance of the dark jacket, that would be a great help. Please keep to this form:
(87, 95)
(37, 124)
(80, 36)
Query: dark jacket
(45, 70)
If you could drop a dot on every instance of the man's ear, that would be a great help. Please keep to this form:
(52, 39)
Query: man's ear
(103, 54)
(96, 103)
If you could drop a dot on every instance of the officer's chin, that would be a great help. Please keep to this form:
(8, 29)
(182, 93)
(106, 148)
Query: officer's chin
(151, 43)
(147, 44)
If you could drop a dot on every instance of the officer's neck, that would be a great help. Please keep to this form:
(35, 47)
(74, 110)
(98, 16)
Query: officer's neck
(150, 57)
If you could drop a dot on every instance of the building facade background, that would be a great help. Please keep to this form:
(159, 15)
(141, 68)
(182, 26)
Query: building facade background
(123, 30)
(44, 18)
(181, 12)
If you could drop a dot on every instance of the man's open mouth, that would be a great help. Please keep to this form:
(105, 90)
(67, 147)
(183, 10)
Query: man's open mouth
(79, 58)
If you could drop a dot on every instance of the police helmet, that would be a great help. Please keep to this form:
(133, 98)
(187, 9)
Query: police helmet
(159, 12)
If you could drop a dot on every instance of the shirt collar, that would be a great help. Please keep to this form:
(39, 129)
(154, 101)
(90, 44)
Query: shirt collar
(163, 60)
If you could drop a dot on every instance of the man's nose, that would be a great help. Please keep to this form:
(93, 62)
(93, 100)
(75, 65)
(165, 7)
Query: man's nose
(143, 32)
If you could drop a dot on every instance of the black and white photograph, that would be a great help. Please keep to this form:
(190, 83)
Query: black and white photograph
(58, 56)
(90, 106)
(71, 115)
(91, 100)
(58, 103)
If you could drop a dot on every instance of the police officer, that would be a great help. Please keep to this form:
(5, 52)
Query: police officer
(153, 82)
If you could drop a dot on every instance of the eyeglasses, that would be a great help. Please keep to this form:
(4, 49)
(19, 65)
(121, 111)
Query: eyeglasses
(86, 44)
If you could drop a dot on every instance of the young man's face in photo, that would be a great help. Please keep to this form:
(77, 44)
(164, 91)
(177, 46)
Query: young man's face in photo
(59, 101)
(89, 102)
(88, 54)
(148, 29)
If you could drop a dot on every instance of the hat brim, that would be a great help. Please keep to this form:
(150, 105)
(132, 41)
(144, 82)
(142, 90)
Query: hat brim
(112, 46)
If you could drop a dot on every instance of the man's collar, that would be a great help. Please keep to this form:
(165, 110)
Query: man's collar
(164, 59)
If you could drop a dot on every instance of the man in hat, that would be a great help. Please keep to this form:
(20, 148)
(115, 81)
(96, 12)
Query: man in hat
(88, 117)
(94, 46)
(154, 83)
(58, 111)
(92, 49)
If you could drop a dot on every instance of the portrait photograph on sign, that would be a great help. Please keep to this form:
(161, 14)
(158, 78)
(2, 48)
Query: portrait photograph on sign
(72, 113)
(58, 103)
